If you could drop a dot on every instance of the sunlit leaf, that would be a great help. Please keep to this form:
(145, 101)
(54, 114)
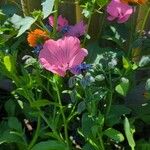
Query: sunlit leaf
(47, 7)
(22, 24)
(129, 133)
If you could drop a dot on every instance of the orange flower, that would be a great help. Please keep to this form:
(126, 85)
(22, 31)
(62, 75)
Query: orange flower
(37, 36)
(134, 1)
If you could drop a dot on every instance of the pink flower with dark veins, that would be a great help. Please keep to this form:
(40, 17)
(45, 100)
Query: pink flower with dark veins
(119, 11)
(62, 55)
(77, 30)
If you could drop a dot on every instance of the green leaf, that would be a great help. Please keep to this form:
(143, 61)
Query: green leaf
(123, 87)
(115, 114)
(145, 60)
(147, 86)
(129, 133)
(142, 145)
(101, 2)
(87, 124)
(13, 123)
(126, 63)
(47, 7)
(114, 134)
(9, 64)
(22, 24)
(49, 145)
(81, 107)
(88, 146)
(40, 103)
(10, 107)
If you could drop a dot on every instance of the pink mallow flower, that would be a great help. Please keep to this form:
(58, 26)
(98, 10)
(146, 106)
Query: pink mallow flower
(77, 30)
(119, 11)
(61, 22)
(62, 55)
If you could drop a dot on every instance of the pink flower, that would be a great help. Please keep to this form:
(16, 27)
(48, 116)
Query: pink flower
(119, 11)
(61, 22)
(62, 55)
(77, 30)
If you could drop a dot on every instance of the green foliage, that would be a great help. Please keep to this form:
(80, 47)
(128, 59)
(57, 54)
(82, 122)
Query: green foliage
(49, 145)
(123, 87)
(114, 134)
(22, 24)
(129, 133)
(47, 7)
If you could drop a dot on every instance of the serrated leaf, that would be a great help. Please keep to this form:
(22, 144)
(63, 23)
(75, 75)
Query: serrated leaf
(129, 133)
(40, 103)
(114, 134)
(50, 145)
(47, 7)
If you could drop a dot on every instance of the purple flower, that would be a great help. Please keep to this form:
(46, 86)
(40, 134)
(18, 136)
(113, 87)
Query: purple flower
(80, 68)
(77, 30)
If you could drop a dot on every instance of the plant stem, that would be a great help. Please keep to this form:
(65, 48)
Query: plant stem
(89, 22)
(44, 27)
(55, 17)
(23, 6)
(49, 125)
(110, 96)
(101, 143)
(145, 20)
(63, 115)
(36, 134)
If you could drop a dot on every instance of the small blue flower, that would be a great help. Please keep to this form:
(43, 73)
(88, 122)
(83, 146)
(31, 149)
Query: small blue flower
(65, 29)
(81, 68)
(37, 49)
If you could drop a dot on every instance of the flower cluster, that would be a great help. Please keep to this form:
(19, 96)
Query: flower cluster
(64, 28)
(62, 55)
(59, 56)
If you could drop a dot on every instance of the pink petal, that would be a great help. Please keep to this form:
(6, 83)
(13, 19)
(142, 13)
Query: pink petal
(58, 56)
(51, 20)
(78, 58)
(111, 18)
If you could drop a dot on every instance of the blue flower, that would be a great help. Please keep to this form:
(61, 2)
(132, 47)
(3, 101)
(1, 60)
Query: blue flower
(37, 49)
(65, 29)
(81, 68)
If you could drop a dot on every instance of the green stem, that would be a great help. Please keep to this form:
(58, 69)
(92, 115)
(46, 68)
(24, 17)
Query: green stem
(36, 134)
(145, 20)
(63, 116)
(23, 6)
(101, 143)
(55, 17)
(132, 28)
(110, 95)
(49, 125)
(44, 27)
(89, 22)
